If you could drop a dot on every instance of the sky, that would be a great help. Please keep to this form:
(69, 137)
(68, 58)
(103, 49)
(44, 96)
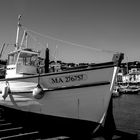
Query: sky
(99, 27)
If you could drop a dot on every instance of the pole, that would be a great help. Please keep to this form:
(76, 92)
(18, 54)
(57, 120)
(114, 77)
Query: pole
(24, 38)
(47, 60)
(2, 50)
(18, 27)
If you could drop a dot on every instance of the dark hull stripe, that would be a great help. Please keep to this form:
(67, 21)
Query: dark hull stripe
(94, 67)
(81, 86)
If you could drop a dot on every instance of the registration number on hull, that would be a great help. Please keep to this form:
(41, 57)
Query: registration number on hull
(67, 79)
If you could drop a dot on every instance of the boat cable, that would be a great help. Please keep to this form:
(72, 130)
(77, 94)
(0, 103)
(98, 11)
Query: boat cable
(41, 44)
(35, 39)
(67, 42)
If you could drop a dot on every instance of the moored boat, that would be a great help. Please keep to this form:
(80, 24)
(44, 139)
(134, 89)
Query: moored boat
(78, 96)
(131, 90)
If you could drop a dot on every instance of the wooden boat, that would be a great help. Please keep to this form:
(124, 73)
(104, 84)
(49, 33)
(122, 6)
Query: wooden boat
(75, 98)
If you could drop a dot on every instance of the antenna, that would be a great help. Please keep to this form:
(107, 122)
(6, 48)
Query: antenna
(55, 51)
(47, 45)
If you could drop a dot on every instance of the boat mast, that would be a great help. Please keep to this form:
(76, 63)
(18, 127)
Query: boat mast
(17, 37)
(24, 38)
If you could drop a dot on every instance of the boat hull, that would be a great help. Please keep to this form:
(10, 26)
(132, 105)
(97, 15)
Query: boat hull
(87, 103)
(84, 101)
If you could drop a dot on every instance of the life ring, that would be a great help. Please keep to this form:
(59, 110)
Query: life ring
(38, 92)
(5, 91)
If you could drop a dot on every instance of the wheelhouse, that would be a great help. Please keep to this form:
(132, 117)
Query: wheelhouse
(22, 62)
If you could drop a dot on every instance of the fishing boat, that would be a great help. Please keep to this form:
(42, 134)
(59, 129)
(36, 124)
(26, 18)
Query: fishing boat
(72, 101)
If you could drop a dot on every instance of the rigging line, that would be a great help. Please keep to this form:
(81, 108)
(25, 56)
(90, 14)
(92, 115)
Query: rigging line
(41, 44)
(74, 44)
(35, 39)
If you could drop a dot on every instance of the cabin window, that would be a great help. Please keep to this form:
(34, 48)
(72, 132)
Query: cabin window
(27, 59)
(12, 58)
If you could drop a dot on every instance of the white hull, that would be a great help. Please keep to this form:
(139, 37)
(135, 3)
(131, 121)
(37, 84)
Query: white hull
(85, 99)
(58, 80)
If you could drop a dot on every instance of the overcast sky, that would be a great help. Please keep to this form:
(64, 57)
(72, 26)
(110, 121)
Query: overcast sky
(103, 24)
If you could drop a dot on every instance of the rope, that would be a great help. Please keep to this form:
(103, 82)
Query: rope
(70, 43)
(35, 39)
(41, 44)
